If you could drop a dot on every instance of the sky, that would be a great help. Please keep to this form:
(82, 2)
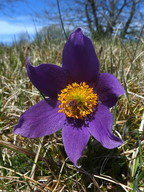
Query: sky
(20, 17)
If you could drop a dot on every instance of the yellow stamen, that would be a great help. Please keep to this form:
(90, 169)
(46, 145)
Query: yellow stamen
(77, 100)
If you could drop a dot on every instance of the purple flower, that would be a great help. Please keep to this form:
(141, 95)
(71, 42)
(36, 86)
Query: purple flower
(79, 98)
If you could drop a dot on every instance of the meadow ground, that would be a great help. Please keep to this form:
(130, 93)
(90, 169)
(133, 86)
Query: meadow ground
(41, 164)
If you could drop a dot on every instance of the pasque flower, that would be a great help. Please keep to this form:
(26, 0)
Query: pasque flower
(79, 98)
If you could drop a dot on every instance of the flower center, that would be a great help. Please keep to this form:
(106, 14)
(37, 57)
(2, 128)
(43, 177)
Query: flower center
(77, 100)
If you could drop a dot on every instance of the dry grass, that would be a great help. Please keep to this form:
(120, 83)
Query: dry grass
(41, 164)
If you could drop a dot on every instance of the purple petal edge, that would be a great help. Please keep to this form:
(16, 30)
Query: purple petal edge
(101, 128)
(74, 140)
(79, 58)
(109, 89)
(49, 79)
(40, 120)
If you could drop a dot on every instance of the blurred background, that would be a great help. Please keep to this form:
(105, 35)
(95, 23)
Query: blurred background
(28, 20)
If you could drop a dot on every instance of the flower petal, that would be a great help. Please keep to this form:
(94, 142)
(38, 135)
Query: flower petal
(109, 89)
(79, 58)
(74, 140)
(40, 120)
(47, 78)
(101, 128)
